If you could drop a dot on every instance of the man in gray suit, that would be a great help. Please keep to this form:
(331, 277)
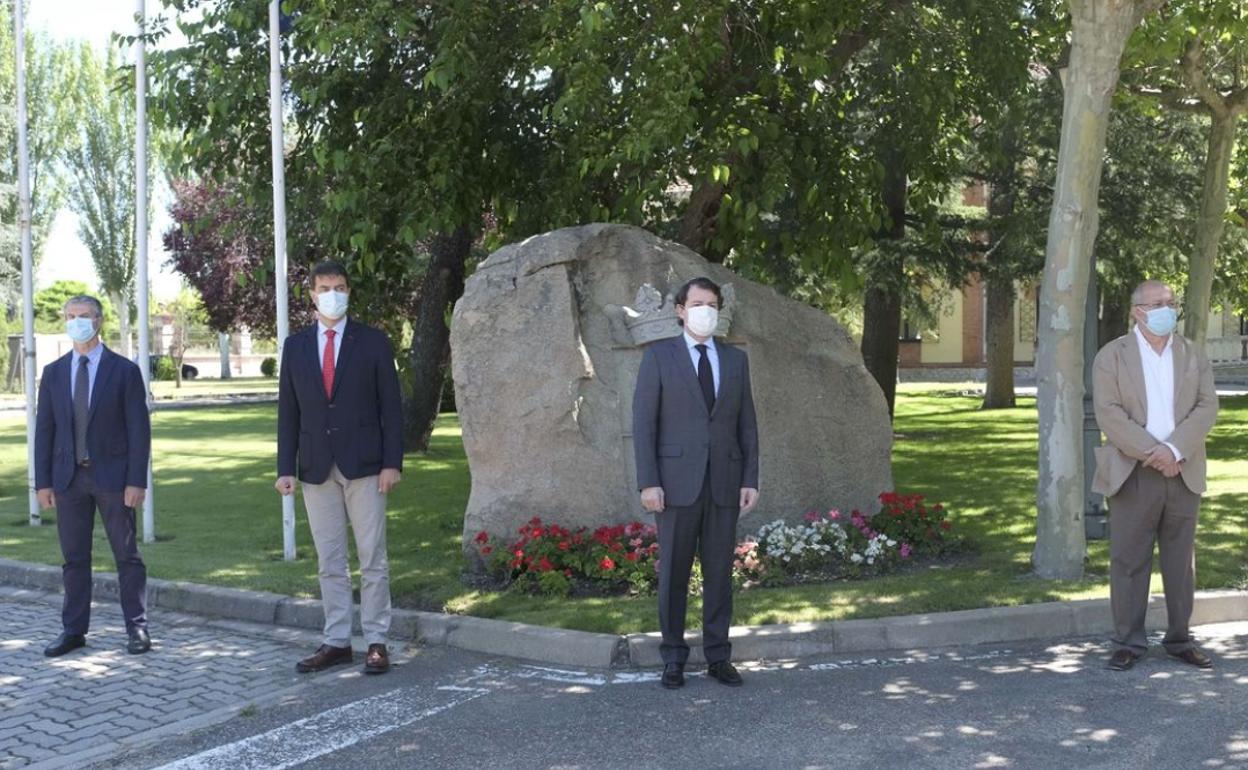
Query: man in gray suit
(695, 437)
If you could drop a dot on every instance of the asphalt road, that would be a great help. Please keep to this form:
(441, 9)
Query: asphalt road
(1026, 706)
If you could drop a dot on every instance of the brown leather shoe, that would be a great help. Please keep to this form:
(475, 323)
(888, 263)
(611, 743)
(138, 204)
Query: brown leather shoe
(378, 660)
(324, 657)
(1122, 660)
(1193, 657)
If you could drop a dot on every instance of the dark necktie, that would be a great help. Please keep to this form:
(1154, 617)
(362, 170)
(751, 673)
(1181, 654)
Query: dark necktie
(82, 406)
(705, 379)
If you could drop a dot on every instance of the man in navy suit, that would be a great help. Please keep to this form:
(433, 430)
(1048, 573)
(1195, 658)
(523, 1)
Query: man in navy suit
(695, 438)
(340, 430)
(93, 438)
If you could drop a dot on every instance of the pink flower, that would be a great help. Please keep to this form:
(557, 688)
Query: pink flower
(906, 550)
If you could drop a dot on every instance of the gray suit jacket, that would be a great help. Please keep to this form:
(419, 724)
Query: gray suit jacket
(676, 440)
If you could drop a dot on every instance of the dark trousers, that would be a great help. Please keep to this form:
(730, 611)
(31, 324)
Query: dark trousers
(75, 523)
(710, 531)
(1152, 509)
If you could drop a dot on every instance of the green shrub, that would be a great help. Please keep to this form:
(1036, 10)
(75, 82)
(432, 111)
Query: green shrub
(268, 367)
(164, 369)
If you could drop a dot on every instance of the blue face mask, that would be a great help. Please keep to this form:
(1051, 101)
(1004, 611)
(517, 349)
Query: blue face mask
(80, 329)
(1162, 320)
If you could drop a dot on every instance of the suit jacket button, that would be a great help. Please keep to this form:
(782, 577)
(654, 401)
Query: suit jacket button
(328, 431)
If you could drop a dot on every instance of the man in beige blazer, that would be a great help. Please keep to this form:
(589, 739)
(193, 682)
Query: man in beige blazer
(1155, 402)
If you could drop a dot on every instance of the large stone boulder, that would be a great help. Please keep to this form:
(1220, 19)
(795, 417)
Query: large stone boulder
(546, 343)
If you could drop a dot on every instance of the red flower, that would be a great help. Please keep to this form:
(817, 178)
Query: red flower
(483, 536)
(486, 550)
(631, 556)
(564, 545)
(544, 565)
(606, 563)
(946, 525)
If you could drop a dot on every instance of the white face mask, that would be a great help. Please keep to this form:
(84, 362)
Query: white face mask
(332, 304)
(80, 329)
(701, 320)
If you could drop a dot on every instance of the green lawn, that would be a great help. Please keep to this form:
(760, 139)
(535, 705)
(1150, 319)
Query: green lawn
(198, 388)
(219, 520)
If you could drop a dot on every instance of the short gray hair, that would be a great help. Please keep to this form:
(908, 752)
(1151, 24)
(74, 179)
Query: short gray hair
(1137, 294)
(85, 299)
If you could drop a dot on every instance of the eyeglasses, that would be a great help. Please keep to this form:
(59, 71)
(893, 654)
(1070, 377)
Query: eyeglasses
(1159, 305)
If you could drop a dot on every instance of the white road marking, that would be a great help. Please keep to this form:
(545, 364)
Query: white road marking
(332, 730)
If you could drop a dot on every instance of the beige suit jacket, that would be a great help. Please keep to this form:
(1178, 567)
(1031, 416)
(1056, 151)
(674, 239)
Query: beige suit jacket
(1121, 404)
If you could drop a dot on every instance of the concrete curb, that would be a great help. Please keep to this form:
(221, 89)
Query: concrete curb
(558, 646)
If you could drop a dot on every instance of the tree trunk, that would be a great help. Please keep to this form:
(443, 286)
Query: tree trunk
(431, 338)
(1115, 316)
(999, 303)
(881, 323)
(999, 318)
(122, 303)
(697, 224)
(1212, 222)
(223, 343)
(1100, 31)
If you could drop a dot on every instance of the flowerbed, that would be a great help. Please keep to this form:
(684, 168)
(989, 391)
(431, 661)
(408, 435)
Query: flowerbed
(553, 560)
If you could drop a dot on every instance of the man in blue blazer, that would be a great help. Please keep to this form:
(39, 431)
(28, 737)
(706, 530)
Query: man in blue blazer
(340, 431)
(93, 438)
(695, 439)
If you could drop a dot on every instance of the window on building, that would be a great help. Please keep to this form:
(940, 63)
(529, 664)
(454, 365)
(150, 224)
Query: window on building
(910, 332)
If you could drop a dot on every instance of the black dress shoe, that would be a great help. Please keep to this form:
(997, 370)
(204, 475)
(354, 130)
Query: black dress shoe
(1193, 657)
(65, 643)
(724, 673)
(139, 642)
(1122, 660)
(673, 676)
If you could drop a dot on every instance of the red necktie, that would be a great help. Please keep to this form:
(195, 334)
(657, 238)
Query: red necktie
(327, 363)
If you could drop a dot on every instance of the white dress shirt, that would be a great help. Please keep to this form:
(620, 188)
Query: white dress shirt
(711, 353)
(1159, 389)
(321, 339)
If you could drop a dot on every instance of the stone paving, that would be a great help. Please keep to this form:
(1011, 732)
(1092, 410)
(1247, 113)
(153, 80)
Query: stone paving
(99, 699)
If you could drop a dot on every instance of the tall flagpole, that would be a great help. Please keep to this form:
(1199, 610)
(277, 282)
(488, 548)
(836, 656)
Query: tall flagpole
(28, 271)
(140, 242)
(279, 229)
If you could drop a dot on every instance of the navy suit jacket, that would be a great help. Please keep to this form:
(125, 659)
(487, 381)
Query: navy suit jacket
(359, 428)
(676, 441)
(119, 428)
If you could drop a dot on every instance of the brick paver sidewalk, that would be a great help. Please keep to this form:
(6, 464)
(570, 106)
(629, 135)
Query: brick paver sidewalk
(100, 700)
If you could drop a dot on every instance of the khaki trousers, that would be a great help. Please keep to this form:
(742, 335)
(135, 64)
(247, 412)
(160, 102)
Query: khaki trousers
(331, 506)
(1152, 508)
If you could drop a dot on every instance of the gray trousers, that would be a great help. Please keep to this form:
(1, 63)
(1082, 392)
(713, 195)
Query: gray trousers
(1152, 508)
(331, 506)
(710, 531)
